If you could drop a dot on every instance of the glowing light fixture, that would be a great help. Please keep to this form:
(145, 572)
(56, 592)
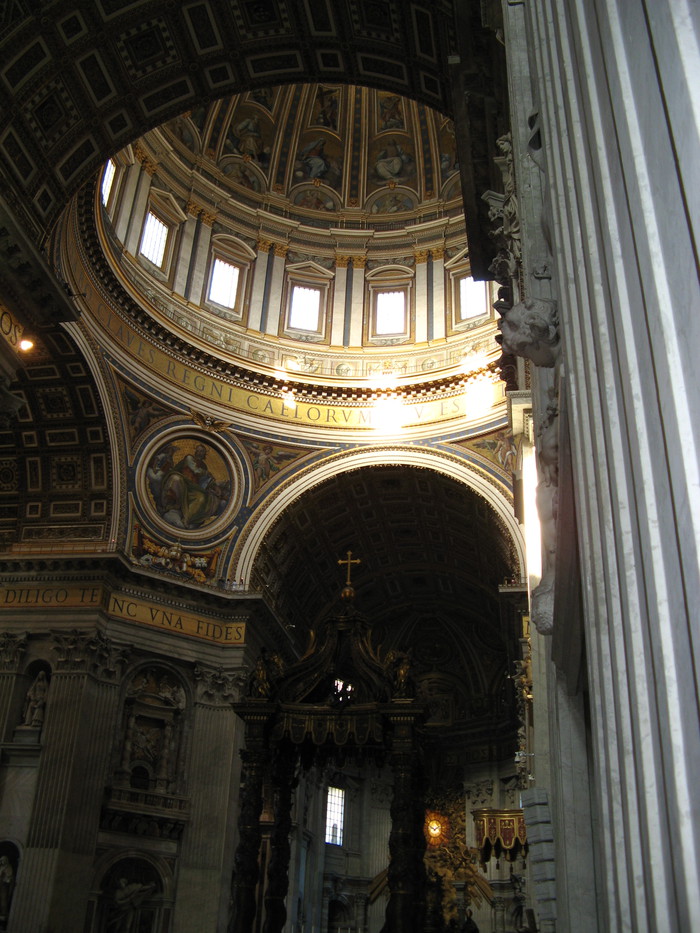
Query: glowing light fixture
(25, 344)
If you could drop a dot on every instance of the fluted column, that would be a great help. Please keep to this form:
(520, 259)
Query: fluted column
(137, 214)
(56, 868)
(202, 901)
(199, 259)
(340, 301)
(12, 648)
(437, 291)
(262, 273)
(422, 297)
(275, 311)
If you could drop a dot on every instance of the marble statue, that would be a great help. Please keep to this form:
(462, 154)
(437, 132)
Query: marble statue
(35, 702)
(531, 329)
(127, 897)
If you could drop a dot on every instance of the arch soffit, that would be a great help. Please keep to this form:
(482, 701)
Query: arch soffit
(270, 511)
(161, 97)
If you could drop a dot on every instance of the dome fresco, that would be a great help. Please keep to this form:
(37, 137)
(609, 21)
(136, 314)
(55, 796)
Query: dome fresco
(325, 149)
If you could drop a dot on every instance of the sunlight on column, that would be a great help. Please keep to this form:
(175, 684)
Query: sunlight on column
(533, 539)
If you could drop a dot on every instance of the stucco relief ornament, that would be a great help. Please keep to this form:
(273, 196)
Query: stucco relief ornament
(504, 210)
(531, 329)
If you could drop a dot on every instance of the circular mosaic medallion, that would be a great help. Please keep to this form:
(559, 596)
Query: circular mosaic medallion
(189, 484)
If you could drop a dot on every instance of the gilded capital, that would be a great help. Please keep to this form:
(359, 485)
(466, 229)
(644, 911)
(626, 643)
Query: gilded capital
(148, 164)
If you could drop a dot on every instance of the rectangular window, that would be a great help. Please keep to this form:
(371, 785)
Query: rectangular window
(335, 810)
(154, 239)
(305, 308)
(224, 283)
(390, 313)
(472, 298)
(108, 180)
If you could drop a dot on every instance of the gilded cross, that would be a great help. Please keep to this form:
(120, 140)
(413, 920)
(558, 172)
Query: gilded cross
(349, 561)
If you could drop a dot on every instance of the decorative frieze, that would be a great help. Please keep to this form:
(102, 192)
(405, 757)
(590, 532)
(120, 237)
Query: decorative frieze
(88, 652)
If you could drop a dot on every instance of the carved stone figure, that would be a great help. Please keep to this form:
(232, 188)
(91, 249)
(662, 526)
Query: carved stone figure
(35, 702)
(127, 898)
(531, 329)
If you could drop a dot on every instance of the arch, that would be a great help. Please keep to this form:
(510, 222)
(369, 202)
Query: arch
(396, 60)
(262, 520)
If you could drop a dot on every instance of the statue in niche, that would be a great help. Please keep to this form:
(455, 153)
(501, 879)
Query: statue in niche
(35, 702)
(398, 666)
(128, 897)
(268, 669)
(531, 329)
(7, 885)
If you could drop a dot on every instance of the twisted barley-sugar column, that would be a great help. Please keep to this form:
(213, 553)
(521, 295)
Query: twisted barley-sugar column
(280, 849)
(246, 868)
